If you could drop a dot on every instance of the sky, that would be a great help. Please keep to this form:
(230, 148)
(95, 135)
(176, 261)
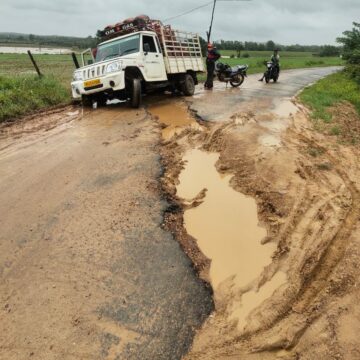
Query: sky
(283, 21)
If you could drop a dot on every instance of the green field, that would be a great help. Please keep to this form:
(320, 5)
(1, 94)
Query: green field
(60, 67)
(289, 60)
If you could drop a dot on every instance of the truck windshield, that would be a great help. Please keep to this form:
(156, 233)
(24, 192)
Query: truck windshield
(125, 46)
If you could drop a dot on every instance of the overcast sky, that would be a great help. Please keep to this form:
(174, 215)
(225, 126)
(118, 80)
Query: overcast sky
(284, 21)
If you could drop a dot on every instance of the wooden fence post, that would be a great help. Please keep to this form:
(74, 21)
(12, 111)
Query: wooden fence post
(34, 63)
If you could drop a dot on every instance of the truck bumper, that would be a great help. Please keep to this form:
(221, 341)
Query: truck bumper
(113, 81)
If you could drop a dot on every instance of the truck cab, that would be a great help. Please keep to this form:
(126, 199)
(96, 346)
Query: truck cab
(127, 66)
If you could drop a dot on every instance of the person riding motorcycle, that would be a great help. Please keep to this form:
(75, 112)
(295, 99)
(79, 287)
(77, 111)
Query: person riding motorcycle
(275, 59)
(212, 56)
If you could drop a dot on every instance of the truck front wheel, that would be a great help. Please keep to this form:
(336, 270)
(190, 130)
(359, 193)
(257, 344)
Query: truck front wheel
(86, 101)
(135, 99)
(188, 86)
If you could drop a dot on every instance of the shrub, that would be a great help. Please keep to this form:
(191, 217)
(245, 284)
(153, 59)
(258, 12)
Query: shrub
(246, 55)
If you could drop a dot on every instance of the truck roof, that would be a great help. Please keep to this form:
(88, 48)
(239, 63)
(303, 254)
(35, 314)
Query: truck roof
(128, 35)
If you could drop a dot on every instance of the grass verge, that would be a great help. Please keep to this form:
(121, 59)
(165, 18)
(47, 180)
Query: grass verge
(23, 94)
(335, 105)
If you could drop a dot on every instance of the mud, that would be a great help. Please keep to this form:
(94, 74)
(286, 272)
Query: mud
(306, 188)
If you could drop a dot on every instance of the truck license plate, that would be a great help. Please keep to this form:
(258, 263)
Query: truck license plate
(91, 83)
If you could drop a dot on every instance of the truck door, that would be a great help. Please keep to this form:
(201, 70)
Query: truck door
(153, 59)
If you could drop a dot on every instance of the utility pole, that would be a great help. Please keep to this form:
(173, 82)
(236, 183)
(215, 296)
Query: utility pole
(211, 23)
(212, 17)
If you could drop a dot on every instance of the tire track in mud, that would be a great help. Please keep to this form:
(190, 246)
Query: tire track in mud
(304, 305)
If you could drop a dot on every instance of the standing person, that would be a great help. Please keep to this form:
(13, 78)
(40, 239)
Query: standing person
(275, 59)
(212, 56)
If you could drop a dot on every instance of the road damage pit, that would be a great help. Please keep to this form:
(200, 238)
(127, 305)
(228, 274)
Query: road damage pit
(265, 208)
(268, 211)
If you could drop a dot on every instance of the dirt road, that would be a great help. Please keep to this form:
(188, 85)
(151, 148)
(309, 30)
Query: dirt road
(91, 204)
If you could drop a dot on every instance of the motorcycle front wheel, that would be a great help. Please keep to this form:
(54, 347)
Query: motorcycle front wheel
(237, 80)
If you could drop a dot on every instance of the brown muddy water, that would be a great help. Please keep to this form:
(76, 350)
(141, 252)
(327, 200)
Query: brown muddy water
(225, 225)
(174, 116)
(227, 231)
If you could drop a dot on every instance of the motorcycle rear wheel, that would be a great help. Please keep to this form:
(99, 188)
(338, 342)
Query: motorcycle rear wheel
(236, 81)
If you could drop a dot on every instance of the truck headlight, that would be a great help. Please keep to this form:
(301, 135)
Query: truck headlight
(113, 67)
(78, 76)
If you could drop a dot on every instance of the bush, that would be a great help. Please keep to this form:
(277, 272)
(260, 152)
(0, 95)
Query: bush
(354, 72)
(232, 56)
(246, 55)
(328, 51)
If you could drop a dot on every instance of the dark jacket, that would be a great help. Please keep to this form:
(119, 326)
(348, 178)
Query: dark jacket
(213, 55)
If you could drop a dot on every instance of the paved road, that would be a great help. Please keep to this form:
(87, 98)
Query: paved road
(221, 103)
(86, 272)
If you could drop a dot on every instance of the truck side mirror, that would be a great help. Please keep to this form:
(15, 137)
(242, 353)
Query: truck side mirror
(146, 48)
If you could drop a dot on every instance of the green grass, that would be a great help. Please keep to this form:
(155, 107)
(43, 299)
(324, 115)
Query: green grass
(289, 60)
(20, 95)
(21, 91)
(61, 67)
(329, 92)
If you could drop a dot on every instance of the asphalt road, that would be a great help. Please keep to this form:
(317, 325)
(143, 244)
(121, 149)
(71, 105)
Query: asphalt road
(86, 270)
(222, 102)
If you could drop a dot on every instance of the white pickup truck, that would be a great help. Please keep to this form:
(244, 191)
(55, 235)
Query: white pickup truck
(127, 66)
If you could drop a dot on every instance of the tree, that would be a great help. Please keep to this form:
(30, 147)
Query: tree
(329, 50)
(351, 42)
(270, 45)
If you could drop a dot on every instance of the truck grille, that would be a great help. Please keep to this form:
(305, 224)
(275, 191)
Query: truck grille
(94, 72)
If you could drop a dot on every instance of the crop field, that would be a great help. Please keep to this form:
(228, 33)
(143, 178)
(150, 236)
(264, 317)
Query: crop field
(289, 60)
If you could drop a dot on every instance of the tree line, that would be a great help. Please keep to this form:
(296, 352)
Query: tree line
(238, 46)
(51, 40)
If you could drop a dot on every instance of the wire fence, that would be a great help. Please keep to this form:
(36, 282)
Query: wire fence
(60, 67)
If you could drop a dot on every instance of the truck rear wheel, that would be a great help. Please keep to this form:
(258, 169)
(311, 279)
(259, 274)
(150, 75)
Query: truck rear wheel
(188, 86)
(135, 100)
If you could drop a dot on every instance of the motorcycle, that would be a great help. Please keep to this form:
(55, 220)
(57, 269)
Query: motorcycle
(272, 72)
(235, 75)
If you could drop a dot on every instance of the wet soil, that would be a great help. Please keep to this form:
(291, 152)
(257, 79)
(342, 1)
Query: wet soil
(302, 304)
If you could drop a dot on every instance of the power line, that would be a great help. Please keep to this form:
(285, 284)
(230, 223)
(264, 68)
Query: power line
(198, 8)
(188, 12)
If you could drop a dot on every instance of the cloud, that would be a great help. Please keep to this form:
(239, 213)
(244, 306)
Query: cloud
(284, 21)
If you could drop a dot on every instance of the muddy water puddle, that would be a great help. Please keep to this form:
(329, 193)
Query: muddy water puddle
(225, 225)
(174, 116)
(227, 231)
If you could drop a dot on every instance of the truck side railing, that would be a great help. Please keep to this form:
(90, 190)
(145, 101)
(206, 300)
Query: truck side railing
(182, 50)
